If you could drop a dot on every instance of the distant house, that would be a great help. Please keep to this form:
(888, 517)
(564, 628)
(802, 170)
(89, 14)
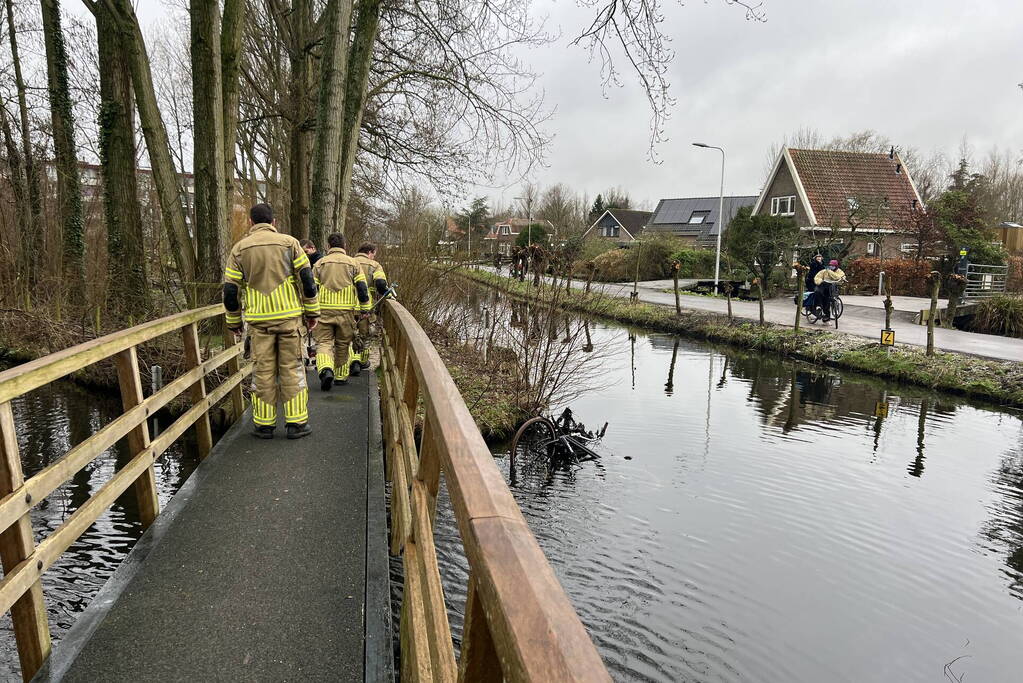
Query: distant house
(695, 219)
(828, 192)
(620, 225)
(503, 234)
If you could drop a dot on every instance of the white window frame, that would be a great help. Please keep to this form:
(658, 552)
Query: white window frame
(505, 229)
(908, 247)
(776, 204)
(610, 231)
(702, 217)
(871, 248)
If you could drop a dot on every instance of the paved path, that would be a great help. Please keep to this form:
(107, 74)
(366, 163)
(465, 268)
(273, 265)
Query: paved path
(864, 319)
(257, 569)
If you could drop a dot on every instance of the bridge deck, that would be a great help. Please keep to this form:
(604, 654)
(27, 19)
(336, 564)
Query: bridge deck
(257, 569)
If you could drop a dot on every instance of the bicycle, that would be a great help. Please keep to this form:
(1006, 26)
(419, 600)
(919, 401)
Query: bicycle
(560, 437)
(815, 312)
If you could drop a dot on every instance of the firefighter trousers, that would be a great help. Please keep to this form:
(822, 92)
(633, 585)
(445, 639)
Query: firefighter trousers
(278, 375)
(334, 335)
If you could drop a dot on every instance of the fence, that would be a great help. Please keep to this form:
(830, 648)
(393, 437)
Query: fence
(983, 281)
(519, 624)
(24, 562)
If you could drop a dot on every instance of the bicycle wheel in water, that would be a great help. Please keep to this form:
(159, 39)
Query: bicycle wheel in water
(536, 437)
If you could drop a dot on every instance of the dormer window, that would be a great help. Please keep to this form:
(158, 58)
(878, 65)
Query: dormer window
(783, 206)
(698, 217)
(852, 203)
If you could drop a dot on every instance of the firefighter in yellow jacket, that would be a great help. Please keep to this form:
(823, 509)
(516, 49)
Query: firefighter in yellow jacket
(375, 279)
(342, 288)
(278, 292)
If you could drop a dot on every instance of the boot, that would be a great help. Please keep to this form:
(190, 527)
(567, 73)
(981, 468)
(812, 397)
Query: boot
(297, 431)
(355, 369)
(326, 379)
(265, 432)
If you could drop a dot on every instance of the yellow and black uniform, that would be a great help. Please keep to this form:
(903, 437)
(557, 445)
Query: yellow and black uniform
(274, 273)
(342, 290)
(376, 279)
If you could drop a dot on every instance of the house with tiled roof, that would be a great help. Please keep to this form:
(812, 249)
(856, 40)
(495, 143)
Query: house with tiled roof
(694, 220)
(863, 198)
(503, 233)
(619, 225)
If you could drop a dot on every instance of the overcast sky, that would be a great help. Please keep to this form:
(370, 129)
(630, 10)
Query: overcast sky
(926, 73)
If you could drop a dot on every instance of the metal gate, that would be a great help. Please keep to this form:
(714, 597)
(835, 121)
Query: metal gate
(983, 281)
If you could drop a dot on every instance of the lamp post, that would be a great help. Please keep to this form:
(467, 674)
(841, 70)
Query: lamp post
(721, 212)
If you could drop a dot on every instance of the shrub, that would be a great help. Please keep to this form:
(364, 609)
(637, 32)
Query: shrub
(1014, 283)
(1001, 314)
(619, 265)
(694, 262)
(535, 233)
(905, 276)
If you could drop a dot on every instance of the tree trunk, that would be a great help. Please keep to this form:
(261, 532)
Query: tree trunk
(889, 307)
(208, 149)
(299, 117)
(128, 286)
(355, 98)
(165, 177)
(69, 186)
(760, 298)
(935, 279)
(32, 237)
(728, 295)
(799, 309)
(678, 302)
(230, 53)
(18, 188)
(330, 118)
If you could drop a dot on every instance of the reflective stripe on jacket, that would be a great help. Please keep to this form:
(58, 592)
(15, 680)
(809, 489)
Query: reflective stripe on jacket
(266, 265)
(336, 275)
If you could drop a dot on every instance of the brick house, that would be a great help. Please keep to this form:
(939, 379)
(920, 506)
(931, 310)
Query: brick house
(620, 225)
(829, 192)
(694, 220)
(503, 234)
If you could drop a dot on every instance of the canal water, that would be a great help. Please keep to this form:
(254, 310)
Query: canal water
(50, 421)
(751, 519)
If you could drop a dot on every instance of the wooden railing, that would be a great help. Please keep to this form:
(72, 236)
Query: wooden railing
(23, 561)
(519, 624)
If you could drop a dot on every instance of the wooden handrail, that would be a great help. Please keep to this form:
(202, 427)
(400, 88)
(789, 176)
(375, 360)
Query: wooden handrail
(519, 624)
(23, 561)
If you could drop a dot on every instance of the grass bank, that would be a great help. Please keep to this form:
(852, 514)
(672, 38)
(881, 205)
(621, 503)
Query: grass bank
(993, 380)
(488, 388)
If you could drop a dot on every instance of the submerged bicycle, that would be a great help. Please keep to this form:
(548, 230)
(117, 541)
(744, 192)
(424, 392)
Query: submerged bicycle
(558, 438)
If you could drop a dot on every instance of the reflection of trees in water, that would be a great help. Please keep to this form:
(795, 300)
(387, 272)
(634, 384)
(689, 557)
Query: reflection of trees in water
(1004, 527)
(549, 354)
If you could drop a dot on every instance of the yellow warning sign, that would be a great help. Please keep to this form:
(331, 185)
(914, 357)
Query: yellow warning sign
(887, 337)
(881, 409)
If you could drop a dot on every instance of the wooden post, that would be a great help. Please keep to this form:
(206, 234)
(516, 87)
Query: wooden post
(128, 378)
(800, 274)
(233, 366)
(193, 358)
(675, 266)
(935, 278)
(31, 628)
(479, 662)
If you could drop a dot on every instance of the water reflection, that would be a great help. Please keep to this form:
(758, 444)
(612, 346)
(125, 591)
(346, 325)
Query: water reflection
(774, 522)
(50, 421)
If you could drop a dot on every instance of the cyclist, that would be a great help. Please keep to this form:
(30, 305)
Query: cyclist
(826, 280)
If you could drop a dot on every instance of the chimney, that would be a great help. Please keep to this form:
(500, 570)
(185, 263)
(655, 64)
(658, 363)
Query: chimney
(891, 153)
(898, 168)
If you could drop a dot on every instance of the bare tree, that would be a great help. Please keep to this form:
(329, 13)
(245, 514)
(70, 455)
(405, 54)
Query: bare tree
(69, 189)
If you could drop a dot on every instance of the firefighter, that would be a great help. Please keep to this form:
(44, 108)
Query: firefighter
(279, 291)
(342, 288)
(375, 279)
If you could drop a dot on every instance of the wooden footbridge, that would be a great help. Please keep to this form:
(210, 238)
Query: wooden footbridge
(271, 562)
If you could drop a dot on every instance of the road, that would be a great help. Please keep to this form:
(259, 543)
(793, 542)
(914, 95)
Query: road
(863, 317)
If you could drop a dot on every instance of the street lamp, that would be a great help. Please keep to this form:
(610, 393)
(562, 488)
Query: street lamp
(721, 211)
(529, 219)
